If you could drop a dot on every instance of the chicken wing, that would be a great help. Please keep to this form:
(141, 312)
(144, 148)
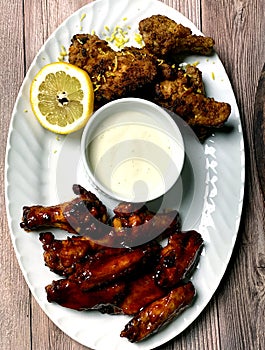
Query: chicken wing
(164, 37)
(137, 225)
(185, 96)
(114, 74)
(68, 294)
(97, 272)
(178, 258)
(62, 256)
(78, 215)
(141, 292)
(87, 216)
(159, 313)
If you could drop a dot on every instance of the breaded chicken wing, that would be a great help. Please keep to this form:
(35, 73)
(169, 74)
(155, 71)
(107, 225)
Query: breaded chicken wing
(186, 97)
(164, 37)
(114, 74)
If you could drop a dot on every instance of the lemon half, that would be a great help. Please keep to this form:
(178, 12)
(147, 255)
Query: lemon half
(62, 97)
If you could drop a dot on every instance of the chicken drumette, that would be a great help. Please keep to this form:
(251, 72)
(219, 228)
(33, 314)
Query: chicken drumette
(114, 74)
(164, 37)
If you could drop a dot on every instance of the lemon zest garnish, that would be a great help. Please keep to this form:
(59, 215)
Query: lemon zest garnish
(119, 36)
(138, 38)
(97, 87)
(83, 16)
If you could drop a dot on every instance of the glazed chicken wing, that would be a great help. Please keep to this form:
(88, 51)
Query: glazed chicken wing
(68, 294)
(140, 292)
(63, 256)
(88, 217)
(99, 271)
(78, 215)
(135, 224)
(157, 314)
(164, 37)
(178, 258)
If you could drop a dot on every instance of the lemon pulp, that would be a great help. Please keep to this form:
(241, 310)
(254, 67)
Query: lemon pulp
(62, 97)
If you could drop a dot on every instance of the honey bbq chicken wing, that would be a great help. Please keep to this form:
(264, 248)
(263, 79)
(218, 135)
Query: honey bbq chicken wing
(68, 294)
(160, 312)
(63, 256)
(178, 258)
(78, 215)
(101, 271)
(135, 224)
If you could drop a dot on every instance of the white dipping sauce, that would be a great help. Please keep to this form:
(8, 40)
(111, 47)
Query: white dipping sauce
(133, 157)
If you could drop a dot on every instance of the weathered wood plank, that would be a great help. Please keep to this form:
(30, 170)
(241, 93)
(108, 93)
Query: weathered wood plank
(14, 301)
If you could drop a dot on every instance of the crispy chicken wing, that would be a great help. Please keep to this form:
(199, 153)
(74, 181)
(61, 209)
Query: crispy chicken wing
(114, 74)
(178, 258)
(152, 73)
(186, 97)
(157, 314)
(78, 215)
(164, 37)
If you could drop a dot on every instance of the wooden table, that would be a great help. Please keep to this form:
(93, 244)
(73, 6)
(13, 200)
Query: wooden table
(234, 319)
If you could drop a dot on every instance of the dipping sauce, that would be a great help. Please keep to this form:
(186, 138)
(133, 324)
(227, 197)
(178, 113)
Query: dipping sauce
(134, 157)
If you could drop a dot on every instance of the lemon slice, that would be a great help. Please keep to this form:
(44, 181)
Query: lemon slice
(62, 97)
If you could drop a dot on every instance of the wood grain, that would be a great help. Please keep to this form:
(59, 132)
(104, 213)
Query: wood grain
(259, 129)
(234, 319)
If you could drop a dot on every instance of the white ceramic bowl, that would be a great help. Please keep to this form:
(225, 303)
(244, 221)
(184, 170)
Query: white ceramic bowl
(132, 150)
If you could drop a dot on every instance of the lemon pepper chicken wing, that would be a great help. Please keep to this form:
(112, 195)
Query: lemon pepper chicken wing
(185, 96)
(114, 74)
(149, 73)
(164, 37)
